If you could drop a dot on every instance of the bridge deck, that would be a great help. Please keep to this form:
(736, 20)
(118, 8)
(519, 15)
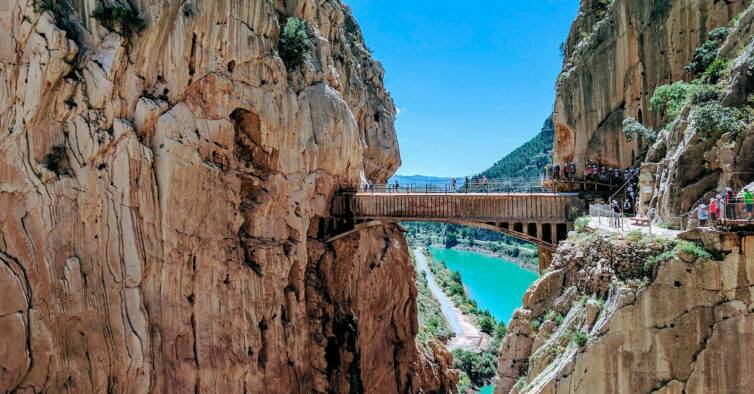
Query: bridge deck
(483, 207)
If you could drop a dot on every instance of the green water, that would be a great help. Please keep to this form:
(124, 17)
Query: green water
(495, 284)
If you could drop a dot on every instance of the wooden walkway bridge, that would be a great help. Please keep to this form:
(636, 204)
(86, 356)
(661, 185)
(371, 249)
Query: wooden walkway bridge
(540, 218)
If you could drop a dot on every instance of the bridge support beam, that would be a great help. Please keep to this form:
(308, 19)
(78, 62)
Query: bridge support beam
(545, 258)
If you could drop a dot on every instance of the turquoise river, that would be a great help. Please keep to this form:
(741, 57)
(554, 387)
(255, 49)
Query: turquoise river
(495, 284)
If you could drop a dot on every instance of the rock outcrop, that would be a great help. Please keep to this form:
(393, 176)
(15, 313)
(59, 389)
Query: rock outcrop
(686, 325)
(615, 56)
(160, 199)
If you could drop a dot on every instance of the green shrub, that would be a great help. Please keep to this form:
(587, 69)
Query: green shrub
(521, 383)
(535, 324)
(580, 337)
(669, 100)
(720, 68)
(55, 160)
(464, 382)
(712, 119)
(455, 276)
(500, 330)
(652, 261)
(581, 224)
(693, 249)
(451, 240)
(719, 34)
(559, 319)
(295, 43)
(123, 19)
(706, 54)
(478, 367)
(704, 93)
(631, 128)
(487, 325)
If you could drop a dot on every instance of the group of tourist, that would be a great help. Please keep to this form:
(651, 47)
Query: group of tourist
(725, 207)
(557, 171)
(592, 173)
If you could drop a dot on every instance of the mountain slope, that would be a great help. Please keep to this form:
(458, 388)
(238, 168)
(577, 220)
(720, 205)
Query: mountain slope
(528, 159)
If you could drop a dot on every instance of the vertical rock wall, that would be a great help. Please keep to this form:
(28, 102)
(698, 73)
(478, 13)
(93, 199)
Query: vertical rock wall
(614, 58)
(173, 248)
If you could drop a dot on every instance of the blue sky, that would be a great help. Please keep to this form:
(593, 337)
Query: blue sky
(472, 79)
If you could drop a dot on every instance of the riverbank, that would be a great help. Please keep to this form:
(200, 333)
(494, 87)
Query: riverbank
(467, 333)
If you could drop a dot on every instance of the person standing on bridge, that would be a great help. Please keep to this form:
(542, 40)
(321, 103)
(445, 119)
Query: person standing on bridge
(703, 214)
(616, 214)
(749, 202)
(453, 184)
(730, 207)
(713, 209)
(486, 183)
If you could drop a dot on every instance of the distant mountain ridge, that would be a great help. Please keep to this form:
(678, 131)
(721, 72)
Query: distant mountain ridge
(525, 161)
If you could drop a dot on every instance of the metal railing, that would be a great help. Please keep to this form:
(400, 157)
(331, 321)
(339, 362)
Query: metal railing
(501, 185)
(734, 213)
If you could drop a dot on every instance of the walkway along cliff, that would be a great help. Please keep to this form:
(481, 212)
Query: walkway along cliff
(163, 172)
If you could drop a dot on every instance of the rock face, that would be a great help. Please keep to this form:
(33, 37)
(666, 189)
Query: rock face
(160, 198)
(686, 165)
(615, 56)
(688, 330)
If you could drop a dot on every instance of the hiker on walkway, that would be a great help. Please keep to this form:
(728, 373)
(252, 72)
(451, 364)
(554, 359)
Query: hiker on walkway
(486, 183)
(748, 201)
(453, 183)
(626, 205)
(714, 209)
(703, 214)
(616, 214)
(396, 186)
(730, 208)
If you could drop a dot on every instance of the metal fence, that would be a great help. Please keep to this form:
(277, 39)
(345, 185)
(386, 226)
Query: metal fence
(501, 185)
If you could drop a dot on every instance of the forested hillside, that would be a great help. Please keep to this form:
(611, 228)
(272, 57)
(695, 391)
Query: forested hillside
(528, 159)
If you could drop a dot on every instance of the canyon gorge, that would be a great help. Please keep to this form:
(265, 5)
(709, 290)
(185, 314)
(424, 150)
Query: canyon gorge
(167, 170)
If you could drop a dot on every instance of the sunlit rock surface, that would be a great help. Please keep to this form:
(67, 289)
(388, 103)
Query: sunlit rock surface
(174, 247)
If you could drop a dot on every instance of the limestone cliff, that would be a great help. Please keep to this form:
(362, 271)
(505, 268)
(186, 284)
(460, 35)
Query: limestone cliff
(616, 54)
(603, 320)
(693, 159)
(160, 197)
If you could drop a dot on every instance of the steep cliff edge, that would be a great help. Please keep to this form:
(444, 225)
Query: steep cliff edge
(160, 196)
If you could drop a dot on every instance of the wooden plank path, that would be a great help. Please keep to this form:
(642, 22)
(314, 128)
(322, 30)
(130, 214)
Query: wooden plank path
(474, 207)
